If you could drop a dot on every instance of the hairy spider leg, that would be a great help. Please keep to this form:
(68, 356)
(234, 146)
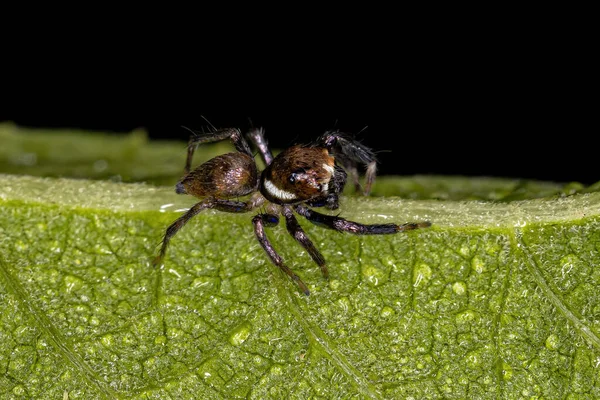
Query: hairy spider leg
(349, 152)
(257, 136)
(217, 204)
(230, 133)
(351, 167)
(344, 225)
(260, 221)
(297, 233)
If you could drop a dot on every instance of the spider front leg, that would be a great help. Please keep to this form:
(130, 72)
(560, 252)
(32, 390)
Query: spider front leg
(296, 231)
(270, 220)
(229, 133)
(350, 152)
(343, 225)
(221, 205)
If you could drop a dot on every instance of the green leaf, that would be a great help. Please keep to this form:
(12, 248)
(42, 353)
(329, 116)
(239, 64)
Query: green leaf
(95, 155)
(498, 299)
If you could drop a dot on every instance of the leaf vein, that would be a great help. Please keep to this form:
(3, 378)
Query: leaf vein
(532, 266)
(496, 330)
(320, 339)
(52, 333)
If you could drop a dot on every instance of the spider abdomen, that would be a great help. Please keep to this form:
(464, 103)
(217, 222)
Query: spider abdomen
(225, 176)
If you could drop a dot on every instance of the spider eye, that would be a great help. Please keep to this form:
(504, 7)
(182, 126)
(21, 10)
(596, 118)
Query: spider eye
(294, 175)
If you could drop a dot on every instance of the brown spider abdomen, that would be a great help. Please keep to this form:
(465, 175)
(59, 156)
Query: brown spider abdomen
(225, 176)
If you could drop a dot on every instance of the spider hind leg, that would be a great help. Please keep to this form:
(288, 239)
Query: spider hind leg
(257, 137)
(221, 205)
(229, 133)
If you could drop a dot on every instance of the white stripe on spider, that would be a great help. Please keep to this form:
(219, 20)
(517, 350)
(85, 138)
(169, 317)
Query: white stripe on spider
(328, 168)
(278, 193)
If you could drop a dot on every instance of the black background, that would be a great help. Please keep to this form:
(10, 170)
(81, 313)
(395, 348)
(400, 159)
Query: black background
(457, 102)
(473, 135)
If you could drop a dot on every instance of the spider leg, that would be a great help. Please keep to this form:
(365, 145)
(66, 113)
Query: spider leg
(351, 167)
(350, 151)
(259, 222)
(343, 225)
(296, 231)
(257, 136)
(221, 205)
(198, 138)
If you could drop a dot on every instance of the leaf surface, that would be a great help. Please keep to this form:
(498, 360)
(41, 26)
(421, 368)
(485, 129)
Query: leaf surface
(498, 299)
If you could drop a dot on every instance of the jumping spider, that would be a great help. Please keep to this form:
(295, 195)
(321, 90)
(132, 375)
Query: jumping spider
(300, 177)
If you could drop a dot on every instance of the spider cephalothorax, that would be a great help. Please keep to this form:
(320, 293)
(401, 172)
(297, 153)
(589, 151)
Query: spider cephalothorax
(298, 174)
(298, 179)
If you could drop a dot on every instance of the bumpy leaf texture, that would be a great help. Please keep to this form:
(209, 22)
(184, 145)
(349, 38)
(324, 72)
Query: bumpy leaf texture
(498, 299)
(495, 300)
